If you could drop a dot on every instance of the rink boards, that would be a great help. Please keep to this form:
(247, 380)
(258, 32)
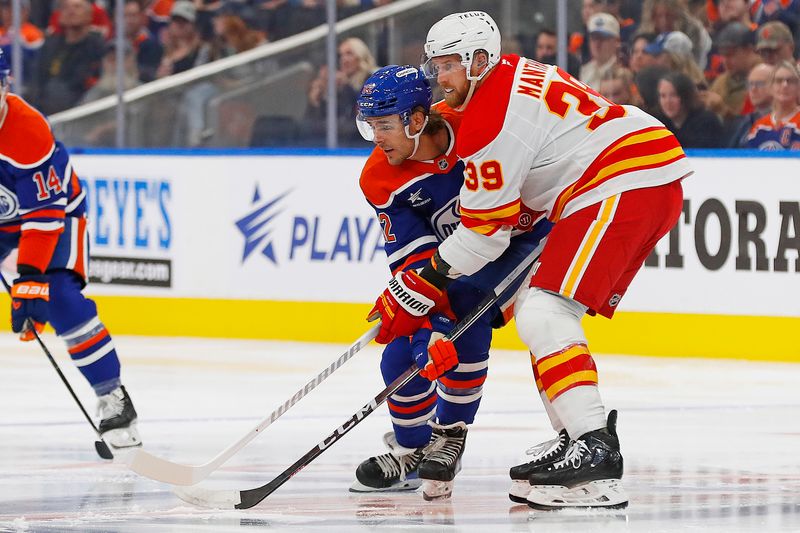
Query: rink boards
(282, 245)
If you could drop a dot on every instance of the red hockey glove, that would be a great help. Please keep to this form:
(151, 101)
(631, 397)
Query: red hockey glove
(403, 306)
(434, 354)
(29, 301)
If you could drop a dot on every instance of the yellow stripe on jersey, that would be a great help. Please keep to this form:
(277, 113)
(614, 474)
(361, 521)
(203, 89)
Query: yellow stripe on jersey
(483, 229)
(504, 211)
(643, 137)
(588, 246)
(632, 163)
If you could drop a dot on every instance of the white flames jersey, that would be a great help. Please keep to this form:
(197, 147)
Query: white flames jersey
(537, 142)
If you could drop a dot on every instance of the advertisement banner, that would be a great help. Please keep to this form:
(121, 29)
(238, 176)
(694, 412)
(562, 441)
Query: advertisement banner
(297, 228)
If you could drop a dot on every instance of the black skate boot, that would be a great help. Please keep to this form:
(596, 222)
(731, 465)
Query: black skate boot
(442, 460)
(541, 454)
(393, 471)
(118, 419)
(589, 475)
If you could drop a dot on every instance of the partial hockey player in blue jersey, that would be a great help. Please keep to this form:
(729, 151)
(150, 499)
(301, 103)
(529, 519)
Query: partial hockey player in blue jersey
(43, 215)
(412, 180)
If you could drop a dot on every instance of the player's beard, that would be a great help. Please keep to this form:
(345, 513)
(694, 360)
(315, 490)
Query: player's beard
(457, 96)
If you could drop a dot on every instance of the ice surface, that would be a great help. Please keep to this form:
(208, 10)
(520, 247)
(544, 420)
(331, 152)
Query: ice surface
(709, 445)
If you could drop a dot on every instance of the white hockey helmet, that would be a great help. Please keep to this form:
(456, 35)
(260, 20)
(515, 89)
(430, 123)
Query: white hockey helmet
(463, 34)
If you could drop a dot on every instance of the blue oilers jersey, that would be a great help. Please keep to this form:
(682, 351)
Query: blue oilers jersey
(769, 134)
(38, 187)
(416, 202)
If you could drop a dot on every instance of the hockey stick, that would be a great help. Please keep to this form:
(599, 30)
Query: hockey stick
(245, 499)
(99, 445)
(153, 467)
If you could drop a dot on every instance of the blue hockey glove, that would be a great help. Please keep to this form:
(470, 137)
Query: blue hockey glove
(29, 301)
(434, 354)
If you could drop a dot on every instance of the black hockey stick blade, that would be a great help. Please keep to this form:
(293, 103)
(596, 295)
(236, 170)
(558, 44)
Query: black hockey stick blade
(103, 450)
(245, 499)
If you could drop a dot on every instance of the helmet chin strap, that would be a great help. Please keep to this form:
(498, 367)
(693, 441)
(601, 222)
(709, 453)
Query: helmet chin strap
(472, 83)
(415, 137)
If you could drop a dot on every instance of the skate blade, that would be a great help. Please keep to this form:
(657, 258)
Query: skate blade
(520, 488)
(401, 486)
(600, 494)
(127, 437)
(436, 490)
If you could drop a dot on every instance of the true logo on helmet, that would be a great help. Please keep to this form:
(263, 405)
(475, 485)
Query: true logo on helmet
(368, 88)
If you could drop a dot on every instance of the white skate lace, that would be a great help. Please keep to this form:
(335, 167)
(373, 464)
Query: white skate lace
(573, 456)
(444, 449)
(547, 449)
(392, 465)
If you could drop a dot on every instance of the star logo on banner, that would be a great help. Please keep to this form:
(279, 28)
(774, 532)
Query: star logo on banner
(255, 226)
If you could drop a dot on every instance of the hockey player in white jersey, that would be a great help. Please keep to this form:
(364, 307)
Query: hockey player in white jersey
(534, 141)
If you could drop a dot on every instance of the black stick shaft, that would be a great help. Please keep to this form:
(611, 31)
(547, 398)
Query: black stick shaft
(103, 450)
(252, 497)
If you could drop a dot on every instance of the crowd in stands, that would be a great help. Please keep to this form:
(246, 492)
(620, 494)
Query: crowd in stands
(68, 44)
(719, 73)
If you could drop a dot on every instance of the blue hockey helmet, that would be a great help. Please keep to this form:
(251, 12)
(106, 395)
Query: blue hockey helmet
(392, 90)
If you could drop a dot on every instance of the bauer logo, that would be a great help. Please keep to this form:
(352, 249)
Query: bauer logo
(283, 230)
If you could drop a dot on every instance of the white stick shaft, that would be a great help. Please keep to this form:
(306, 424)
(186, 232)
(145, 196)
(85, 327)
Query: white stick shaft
(148, 465)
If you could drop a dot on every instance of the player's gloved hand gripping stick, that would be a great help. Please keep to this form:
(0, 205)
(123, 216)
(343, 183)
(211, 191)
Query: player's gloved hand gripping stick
(245, 499)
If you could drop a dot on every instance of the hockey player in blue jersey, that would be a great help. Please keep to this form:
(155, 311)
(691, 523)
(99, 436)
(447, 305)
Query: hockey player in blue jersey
(43, 215)
(412, 180)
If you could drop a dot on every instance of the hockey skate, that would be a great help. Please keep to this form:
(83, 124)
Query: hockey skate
(541, 454)
(118, 419)
(442, 460)
(589, 475)
(390, 472)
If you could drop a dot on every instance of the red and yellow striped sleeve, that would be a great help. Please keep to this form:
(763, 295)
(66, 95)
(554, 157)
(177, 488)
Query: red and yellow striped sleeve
(488, 221)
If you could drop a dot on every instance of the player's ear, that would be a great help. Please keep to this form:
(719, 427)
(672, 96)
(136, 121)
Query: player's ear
(418, 118)
(479, 62)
